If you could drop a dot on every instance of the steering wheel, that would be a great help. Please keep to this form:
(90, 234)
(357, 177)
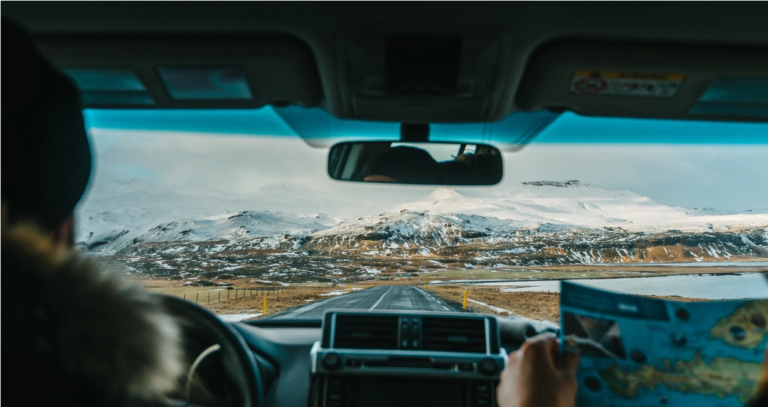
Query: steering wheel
(238, 361)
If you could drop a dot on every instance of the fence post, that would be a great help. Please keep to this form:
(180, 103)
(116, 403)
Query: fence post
(219, 300)
(209, 297)
(466, 293)
(228, 294)
(185, 297)
(197, 296)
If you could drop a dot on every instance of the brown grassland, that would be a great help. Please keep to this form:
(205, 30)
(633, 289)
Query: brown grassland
(534, 305)
(246, 294)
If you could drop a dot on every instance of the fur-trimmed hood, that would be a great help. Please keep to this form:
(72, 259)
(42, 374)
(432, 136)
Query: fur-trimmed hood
(77, 334)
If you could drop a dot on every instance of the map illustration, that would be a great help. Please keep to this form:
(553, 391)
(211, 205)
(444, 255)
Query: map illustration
(746, 327)
(639, 351)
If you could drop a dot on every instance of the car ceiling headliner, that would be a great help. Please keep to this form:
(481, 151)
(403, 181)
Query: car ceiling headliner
(315, 21)
(528, 25)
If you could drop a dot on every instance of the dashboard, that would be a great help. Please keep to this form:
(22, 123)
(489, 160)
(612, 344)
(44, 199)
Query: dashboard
(383, 358)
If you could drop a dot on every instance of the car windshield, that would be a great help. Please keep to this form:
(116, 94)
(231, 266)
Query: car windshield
(235, 211)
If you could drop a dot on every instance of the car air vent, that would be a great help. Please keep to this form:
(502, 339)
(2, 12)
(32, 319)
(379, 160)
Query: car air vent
(365, 332)
(453, 334)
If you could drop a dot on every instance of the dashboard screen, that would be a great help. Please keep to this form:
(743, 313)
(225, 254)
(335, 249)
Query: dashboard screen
(407, 392)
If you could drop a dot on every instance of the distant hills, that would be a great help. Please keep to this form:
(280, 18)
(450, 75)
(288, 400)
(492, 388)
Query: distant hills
(535, 223)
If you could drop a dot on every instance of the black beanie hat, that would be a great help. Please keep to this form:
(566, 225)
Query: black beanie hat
(46, 159)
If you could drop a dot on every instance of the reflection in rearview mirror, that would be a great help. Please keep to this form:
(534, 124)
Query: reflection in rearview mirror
(416, 163)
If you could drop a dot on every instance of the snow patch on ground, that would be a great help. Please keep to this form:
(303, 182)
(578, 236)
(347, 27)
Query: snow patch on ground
(238, 317)
(540, 326)
(497, 309)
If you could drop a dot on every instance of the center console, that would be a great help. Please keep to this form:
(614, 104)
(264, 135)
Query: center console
(406, 359)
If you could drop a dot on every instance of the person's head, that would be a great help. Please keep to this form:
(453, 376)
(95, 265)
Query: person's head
(402, 164)
(46, 158)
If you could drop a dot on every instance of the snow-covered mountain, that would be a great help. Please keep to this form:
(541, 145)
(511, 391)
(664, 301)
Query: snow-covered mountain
(540, 222)
(576, 204)
(488, 241)
(116, 216)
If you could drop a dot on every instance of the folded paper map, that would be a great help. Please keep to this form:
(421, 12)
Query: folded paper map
(639, 351)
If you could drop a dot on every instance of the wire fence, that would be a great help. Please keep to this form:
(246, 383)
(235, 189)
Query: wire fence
(210, 295)
(213, 295)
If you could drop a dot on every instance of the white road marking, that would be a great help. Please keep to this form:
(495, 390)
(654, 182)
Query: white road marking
(434, 298)
(382, 297)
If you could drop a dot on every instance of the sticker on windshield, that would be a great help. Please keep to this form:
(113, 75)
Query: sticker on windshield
(626, 84)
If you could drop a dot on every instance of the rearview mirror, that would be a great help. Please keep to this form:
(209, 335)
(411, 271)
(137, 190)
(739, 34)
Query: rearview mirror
(416, 163)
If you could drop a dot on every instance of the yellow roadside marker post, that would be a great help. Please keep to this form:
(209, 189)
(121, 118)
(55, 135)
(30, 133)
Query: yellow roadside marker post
(264, 304)
(350, 288)
(466, 292)
(426, 285)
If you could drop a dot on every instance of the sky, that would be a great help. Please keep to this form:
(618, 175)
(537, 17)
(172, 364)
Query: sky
(724, 167)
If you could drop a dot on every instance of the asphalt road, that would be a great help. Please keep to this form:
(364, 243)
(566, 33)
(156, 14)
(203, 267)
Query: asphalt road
(394, 297)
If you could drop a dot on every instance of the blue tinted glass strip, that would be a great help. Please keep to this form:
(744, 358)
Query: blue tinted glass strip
(309, 123)
(572, 128)
(261, 121)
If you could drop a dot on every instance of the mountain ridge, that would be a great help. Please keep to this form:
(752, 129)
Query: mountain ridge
(534, 223)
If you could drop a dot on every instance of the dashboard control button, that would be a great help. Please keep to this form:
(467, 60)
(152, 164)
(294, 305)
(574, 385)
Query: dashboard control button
(335, 397)
(331, 361)
(466, 367)
(415, 343)
(488, 367)
(482, 388)
(404, 343)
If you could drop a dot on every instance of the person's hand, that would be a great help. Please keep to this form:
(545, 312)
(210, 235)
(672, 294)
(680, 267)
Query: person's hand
(537, 375)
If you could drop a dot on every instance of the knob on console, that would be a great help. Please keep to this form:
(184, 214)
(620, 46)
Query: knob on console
(331, 360)
(488, 367)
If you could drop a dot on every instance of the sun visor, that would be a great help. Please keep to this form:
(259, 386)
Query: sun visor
(320, 129)
(189, 72)
(648, 81)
